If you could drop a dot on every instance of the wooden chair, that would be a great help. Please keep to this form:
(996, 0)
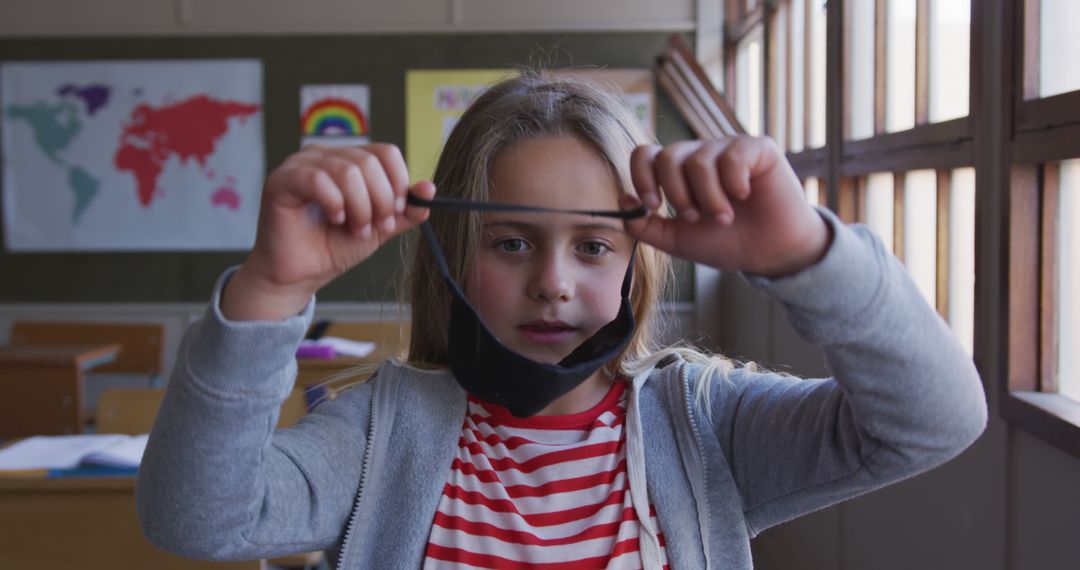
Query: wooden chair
(54, 388)
(142, 345)
(132, 411)
(41, 387)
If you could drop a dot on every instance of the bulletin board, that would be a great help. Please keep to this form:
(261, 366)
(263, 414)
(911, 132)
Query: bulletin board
(289, 63)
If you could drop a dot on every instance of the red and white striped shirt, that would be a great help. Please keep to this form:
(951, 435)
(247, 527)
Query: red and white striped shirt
(542, 492)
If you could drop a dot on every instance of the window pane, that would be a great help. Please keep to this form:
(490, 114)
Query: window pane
(777, 69)
(813, 191)
(817, 15)
(950, 47)
(920, 230)
(748, 82)
(861, 77)
(878, 198)
(900, 66)
(797, 100)
(1068, 246)
(1059, 45)
(962, 256)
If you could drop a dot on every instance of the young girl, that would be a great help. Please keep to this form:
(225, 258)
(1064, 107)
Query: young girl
(534, 421)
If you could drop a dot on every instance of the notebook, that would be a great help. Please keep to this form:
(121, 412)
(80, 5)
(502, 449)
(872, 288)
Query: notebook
(73, 451)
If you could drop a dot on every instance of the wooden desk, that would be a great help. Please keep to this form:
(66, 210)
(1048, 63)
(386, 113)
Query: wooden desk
(85, 523)
(41, 387)
(312, 371)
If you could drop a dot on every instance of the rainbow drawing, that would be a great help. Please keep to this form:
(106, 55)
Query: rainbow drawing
(334, 116)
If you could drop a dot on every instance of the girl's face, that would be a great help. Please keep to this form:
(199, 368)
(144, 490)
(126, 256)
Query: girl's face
(544, 283)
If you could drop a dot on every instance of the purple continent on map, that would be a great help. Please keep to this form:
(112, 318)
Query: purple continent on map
(93, 96)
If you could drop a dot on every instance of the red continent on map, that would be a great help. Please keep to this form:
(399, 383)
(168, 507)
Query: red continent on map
(188, 129)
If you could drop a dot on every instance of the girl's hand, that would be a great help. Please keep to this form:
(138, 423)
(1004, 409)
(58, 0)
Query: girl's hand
(323, 211)
(738, 206)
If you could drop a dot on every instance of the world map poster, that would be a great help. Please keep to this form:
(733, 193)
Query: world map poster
(123, 156)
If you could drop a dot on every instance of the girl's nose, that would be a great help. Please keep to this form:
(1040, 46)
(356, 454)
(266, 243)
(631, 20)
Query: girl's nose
(551, 280)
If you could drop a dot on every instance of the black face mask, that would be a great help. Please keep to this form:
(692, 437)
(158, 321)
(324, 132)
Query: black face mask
(489, 370)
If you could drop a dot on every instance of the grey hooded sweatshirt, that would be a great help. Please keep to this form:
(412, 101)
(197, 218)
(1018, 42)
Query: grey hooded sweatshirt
(722, 454)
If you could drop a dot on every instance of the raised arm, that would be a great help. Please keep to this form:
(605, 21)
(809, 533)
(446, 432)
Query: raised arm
(905, 397)
(217, 481)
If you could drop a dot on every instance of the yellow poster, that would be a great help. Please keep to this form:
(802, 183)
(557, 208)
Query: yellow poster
(434, 100)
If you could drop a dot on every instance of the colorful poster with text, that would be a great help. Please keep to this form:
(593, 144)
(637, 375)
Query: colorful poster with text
(434, 100)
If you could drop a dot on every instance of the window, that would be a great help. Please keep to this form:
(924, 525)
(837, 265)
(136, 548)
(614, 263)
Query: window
(896, 152)
(1042, 391)
(1058, 45)
(927, 219)
(1067, 301)
(905, 167)
(748, 82)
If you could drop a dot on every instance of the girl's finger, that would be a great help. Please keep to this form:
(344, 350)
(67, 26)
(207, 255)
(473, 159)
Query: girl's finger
(669, 173)
(736, 164)
(397, 172)
(379, 191)
(644, 177)
(308, 184)
(413, 215)
(654, 229)
(354, 188)
(700, 169)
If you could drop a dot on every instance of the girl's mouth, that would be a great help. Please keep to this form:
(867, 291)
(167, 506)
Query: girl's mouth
(547, 332)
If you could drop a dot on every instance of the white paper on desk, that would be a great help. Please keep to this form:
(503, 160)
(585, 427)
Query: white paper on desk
(60, 451)
(344, 346)
(127, 453)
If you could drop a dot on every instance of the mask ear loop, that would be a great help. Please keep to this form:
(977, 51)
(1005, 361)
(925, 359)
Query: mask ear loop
(457, 204)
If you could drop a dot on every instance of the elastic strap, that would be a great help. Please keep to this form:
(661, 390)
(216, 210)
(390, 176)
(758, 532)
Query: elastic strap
(457, 204)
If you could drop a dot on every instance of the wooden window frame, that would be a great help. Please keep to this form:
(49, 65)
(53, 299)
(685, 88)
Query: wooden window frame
(842, 164)
(809, 162)
(1043, 131)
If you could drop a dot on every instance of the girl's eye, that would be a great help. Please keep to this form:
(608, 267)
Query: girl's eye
(594, 248)
(512, 245)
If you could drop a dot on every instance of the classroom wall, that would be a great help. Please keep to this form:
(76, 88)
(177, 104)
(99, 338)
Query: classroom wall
(289, 62)
(298, 43)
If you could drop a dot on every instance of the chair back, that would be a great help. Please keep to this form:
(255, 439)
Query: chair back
(142, 345)
(128, 411)
(132, 411)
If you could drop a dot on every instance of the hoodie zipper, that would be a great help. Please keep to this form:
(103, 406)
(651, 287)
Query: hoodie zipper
(684, 376)
(360, 490)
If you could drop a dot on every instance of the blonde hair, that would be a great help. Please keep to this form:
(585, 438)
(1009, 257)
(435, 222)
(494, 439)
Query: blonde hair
(526, 107)
(522, 108)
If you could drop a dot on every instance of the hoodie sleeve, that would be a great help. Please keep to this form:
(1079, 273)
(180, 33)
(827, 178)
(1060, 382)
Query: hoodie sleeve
(905, 397)
(217, 481)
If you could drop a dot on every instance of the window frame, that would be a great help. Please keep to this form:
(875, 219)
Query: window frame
(1037, 133)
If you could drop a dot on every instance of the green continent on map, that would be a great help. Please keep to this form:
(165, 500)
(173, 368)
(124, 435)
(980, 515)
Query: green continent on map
(55, 126)
(189, 129)
(85, 188)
